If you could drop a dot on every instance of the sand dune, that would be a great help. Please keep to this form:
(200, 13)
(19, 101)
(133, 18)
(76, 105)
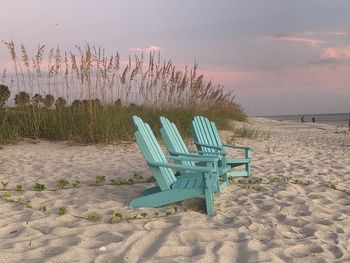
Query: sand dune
(293, 215)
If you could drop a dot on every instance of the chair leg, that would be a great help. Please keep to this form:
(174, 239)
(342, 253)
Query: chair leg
(247, 168)
(209, 200)
(225, 183)
(218, 189)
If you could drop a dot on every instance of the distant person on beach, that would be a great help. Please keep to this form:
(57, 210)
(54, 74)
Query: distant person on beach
(313, 119)
(302, 119)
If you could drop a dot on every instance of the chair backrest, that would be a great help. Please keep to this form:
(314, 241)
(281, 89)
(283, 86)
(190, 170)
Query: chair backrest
(173, 140)
(153, 153)
(205, 132)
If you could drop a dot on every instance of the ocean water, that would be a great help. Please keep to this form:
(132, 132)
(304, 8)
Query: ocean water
(336, 119)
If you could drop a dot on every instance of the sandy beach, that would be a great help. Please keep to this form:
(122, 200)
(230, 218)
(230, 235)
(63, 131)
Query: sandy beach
(296, 208)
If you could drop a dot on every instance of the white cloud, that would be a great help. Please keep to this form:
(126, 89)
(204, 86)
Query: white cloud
(146, 49)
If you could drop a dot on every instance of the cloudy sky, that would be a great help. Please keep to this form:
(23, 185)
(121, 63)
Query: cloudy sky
(279, 56)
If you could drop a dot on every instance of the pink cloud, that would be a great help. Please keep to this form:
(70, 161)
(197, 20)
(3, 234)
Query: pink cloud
(225, 75)
(146, 50)
(337, 33)
(310, 38)
(293, 39)
(313, 77)
(343, 52)
(325, 33)
(311, 88)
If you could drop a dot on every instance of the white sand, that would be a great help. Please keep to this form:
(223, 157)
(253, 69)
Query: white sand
(286, 221)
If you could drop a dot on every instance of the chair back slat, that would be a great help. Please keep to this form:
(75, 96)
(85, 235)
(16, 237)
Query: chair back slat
(205, 132)
(212, 131)
(216, 134)
(200, 135)
(173, 140)
(152, 152)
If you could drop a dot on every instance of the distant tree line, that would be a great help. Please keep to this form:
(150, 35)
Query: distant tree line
(48, 101)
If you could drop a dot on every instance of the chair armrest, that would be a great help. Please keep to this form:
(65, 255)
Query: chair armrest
(183, 167)
(210, 146)
(209, 155)
(247, 150)
(194, 159)
(204, 152)
(236, 147)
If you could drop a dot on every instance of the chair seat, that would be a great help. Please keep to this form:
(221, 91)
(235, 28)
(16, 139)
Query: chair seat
(191, 183)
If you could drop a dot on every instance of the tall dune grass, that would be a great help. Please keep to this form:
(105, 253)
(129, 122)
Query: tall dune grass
(96, 95)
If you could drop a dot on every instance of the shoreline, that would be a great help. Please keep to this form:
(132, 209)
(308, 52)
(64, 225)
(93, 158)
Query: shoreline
(334, 119)
(297, 213)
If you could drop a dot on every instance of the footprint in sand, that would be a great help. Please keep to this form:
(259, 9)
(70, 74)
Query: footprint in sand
(108, 237)
(327, 237)
(65, 241)
(303, 250)
(53, 251)
(335, 251)
(288, 232)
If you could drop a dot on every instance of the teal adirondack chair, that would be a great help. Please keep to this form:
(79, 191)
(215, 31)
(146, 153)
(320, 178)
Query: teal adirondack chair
(177, 147)
(207, 139)
(171, 189)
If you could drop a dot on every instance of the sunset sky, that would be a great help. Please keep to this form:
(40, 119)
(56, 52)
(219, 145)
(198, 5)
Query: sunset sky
(279, 56)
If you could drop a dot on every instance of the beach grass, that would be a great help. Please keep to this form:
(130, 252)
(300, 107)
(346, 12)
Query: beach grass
(101, 124)
(87, 96)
